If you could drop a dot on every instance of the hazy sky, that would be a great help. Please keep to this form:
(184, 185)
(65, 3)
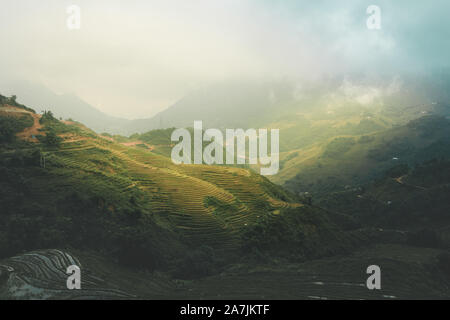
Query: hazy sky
(135, 58)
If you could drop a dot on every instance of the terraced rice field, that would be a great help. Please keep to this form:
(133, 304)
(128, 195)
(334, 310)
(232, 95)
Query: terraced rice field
(42, 275)
(176, 192)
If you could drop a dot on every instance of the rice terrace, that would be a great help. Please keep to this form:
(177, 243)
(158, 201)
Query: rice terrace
(224, 150)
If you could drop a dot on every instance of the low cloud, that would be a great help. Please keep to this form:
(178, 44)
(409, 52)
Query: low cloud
(135, 58)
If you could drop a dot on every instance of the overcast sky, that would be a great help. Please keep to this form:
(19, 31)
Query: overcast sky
(135, 58)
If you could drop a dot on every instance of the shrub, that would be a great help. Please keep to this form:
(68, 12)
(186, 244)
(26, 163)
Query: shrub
(9, 126)
(51, 139)
(47, 116)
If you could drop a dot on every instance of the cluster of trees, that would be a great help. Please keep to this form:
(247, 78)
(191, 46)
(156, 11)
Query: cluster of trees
(47, 116)
(7, 130)
(75, 220)
(9, 126)
(12, 101)
(38, 210)
(51, 139)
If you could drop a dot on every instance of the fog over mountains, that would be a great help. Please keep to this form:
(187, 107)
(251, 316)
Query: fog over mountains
(356, 175)
(246, 104)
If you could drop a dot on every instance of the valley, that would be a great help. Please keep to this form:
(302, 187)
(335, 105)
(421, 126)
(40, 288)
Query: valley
(143, 227)
(236, 151)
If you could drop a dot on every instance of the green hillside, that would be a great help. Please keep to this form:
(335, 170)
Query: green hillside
(350, 161)
(74, 188)
(155, 230)
(407, 198)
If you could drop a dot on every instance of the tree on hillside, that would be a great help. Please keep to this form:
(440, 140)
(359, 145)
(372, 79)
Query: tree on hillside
(47, 116)
(51, 139)
(6, 130)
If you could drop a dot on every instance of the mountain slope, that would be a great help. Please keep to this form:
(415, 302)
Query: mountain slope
(213, 232)
(407, 198)
(71, 187)
(66, 106)
(252, 103)
(351, 161)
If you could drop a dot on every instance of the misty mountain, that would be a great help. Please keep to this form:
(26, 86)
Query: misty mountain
(247, 104)
(64, 106)
(222, 105)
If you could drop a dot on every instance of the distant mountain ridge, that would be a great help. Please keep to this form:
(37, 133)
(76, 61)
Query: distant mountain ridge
(67, 106)
(246, 104)
(220, 105)
(130, 211)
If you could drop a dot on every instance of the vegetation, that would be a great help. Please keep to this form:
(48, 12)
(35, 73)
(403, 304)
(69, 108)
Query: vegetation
(338, 147)
(343, 163)
(407, 199)
(132, 205)
(11, 101)
(11, 125)
(362, 192)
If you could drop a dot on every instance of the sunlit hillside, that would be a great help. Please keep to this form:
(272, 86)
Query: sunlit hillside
(64, 185)
(120, 208)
